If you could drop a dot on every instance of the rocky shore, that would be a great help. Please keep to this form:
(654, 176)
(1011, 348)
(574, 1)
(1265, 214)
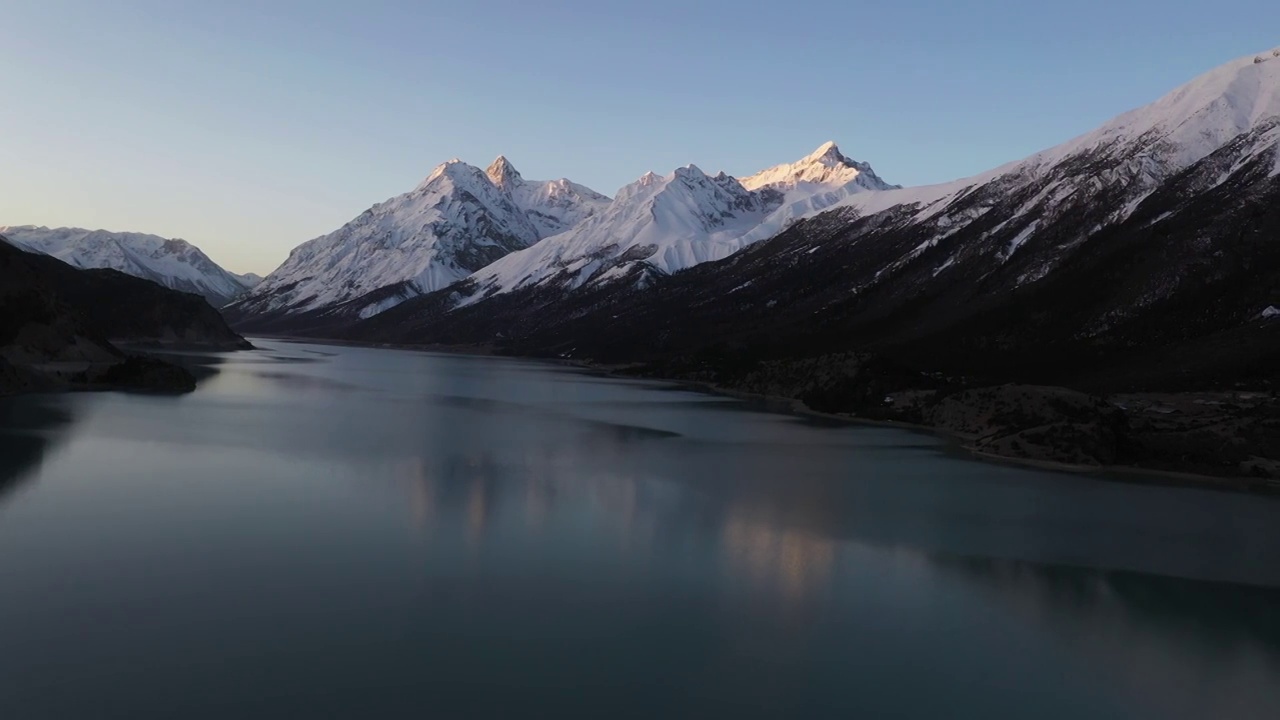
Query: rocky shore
(1227, 438)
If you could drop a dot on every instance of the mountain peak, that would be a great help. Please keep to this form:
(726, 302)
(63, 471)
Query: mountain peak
(502, 172)
(456, 221)
(456, 170)
(690, 171)
(828, 154)
(824, 166)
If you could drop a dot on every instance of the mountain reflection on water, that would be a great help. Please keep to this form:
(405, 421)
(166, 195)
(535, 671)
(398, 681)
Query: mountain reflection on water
(1165, 639)
(28, 430)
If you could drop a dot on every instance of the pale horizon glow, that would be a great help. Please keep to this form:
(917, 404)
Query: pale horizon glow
(249, 127)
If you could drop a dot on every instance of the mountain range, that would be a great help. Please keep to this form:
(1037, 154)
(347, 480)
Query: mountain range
(877, 263)
(175, 264)
(478, 234)
(481, 233)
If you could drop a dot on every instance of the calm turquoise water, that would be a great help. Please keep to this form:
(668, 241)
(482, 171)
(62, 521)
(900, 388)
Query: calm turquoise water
(338, 532)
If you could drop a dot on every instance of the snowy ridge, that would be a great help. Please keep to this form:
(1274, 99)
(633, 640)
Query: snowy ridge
(1142, 147)
(669, 223)
(175, 264)
(1136, 151)
(454, 222)
(674, 222)
(1190, 123)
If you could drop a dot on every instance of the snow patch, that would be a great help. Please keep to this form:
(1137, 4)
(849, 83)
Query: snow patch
(1021, 238)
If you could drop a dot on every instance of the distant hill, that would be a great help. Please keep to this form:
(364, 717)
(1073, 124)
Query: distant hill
(59, 326)
(175, 264)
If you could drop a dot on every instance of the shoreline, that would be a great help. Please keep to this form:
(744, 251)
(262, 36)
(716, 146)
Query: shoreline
(958, 443)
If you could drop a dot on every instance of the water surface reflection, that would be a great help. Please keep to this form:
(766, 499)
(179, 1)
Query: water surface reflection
(29, 430)
(353, 532)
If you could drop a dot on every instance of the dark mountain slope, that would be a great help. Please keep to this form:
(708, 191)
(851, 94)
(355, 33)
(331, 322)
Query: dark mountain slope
(327, 321)
(58, 324)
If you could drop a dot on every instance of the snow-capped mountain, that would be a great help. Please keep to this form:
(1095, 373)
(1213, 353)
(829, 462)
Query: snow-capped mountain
(458, 220)
(824, 166)
(175, 264)
(1152, 234)
(666, 224)
(1036, 209)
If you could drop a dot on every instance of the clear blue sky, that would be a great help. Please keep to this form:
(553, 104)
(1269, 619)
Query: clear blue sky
(249, 126)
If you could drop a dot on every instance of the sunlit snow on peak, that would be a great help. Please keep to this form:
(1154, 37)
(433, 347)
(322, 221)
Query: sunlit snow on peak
(825, 166)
